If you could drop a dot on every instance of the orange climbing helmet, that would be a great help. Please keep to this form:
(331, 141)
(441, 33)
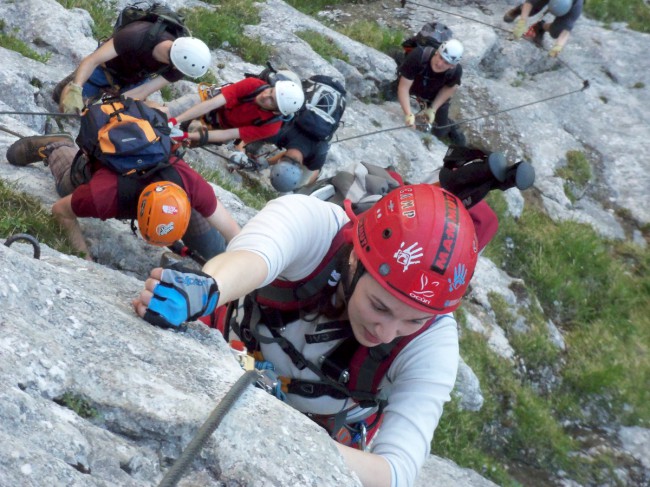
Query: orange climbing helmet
(163, 213)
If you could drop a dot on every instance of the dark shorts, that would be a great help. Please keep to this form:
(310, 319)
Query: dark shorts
(314, 152)
(566, 22)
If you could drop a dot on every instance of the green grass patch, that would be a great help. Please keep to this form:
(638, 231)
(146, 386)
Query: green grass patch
(223, 26)
(635, 12)
(21, 213)
(596, 292)
(372, 34)
(532, 344)
(103, 24)
(322, 45)
(77, 404)
(251, 192)
(514, 426)
(312, 7)
(576, 174)
(8, 41)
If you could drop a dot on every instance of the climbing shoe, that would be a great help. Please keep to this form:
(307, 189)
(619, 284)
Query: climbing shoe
(512, 14)
(536, 33)
(31, 149)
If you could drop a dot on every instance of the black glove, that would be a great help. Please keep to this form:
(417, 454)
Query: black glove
(183, 294)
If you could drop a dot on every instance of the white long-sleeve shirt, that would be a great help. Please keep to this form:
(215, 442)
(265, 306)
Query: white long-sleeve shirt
(293, 234)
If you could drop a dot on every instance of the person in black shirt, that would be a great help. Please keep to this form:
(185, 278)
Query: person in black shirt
(128, 63)
(433, 77)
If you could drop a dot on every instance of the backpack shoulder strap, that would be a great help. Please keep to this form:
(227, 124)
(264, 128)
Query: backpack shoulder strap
(290, 295)
(251, 96)
(427, 53)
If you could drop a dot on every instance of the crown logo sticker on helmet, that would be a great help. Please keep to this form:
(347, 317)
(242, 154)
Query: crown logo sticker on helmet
(408, 256)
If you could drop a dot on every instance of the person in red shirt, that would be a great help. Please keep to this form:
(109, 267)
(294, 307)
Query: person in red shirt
(89, 189)
(249, 110)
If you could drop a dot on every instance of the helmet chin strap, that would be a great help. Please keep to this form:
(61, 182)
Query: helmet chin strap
(350, 281)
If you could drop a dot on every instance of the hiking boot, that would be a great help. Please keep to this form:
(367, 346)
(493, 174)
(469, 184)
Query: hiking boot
(457, 137)
(497, 164)
(536, 33)
(521, 175)
(32, 149)
(58, 89)
(525, 175)
(512, 14)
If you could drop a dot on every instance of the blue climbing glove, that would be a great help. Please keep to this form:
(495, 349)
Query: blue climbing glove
(183, 294)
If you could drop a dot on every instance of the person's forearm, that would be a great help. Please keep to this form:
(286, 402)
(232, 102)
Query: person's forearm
(237, 273)
(443, 96)
(373, 470)
(202, 108)
(215, 136)
(104, 53)
(142, 91)
(223, 221)
(525, 10)
(404, 98)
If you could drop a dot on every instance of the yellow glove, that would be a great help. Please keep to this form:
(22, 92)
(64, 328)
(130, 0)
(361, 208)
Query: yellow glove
(555, 50)
(71, 99)
(430, 113)
(409, 119)
(520, 28)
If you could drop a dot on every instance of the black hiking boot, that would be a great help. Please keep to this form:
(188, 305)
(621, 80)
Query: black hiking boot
(521, 175)
(498, 165)
(457, 137)
(58, 89)
(512, 14)
(31, 149)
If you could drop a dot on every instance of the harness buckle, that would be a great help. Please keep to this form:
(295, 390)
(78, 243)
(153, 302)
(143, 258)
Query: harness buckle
(363, 432)
(267, 381)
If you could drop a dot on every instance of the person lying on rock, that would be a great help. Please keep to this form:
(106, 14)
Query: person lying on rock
(248, 110)
(369, 337)
(185, 207)
(133, 64)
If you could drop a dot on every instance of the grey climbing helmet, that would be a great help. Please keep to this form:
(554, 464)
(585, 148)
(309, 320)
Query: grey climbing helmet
(286, 175)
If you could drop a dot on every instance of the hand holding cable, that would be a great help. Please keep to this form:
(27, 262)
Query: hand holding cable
(555, 50)
(183, 294)
(72, 99)
(520, 28)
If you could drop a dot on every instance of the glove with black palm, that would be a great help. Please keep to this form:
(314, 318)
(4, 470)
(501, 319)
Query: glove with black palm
(183, 294)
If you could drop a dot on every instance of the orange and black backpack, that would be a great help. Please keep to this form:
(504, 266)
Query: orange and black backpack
(126, 135)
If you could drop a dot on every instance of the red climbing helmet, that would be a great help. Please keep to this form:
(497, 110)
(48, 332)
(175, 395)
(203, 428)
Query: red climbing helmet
(419, 243)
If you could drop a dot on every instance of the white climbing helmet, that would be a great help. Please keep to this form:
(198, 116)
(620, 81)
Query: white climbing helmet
(451, 51)
(190, 56)
(288, 96)
(286, 175)
(559, 7)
